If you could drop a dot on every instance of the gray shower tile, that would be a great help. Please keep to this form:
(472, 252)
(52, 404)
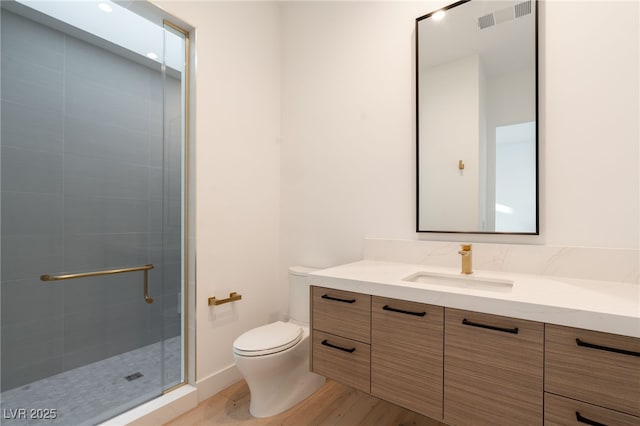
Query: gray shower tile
(166, 216)
(105, 141)
(172, 327)
(156, 275)
(44, 98)
(105, 216)
(170, 304)
(85, 356)
(28, 256)
(156, 216)
(31, 214)
(27, 83)
(128, 342)
(17, 68)
(84, 330)
(156, 81)
(24, 374)
(174, 183)
(126, 289)
(156, 183)
(128, 324)
(173, 213)
(165, 321)
(156, 145)
(156, 332)
(155, 115)
(31, 128)
(31, 41)
(108, 69)
(22, 346)
(172, 248)
(172, 278)
(30, 300)
(33, 329)
(83, 295)
(166, 148)
(173, 96)
(90, 252)
(115, 107)
(24, 170)
(93, 177)
(173, 145)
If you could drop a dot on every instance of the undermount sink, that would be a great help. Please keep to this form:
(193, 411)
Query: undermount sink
(461, 281)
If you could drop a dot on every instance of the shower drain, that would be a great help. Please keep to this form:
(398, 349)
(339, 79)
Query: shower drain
(133, 376)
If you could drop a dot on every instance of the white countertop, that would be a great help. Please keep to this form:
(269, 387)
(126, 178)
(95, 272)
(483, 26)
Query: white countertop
(611, 307)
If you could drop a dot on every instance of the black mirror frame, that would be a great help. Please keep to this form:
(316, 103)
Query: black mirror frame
(537, 109)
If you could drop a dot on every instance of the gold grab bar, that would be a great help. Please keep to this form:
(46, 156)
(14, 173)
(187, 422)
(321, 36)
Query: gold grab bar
(232, 298)
(144, 268)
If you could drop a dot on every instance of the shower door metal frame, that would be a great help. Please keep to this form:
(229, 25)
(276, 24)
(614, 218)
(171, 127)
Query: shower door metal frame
(187, 199)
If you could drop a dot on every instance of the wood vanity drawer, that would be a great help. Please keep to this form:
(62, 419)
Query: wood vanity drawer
(559, 411)
(345, 360)
(598, 368)
(493, 370)
(342, 313)
(406, 354)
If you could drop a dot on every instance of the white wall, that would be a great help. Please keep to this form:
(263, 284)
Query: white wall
(591, 109)
(237, 172)
(450, 133)
(349, 127)
(348, 153)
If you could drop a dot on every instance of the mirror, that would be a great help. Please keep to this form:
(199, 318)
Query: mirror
(477, 118)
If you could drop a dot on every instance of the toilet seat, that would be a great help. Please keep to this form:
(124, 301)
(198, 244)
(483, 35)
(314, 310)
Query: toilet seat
(268, 339)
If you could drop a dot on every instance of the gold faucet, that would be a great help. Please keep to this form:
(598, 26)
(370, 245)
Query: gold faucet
(465, 252)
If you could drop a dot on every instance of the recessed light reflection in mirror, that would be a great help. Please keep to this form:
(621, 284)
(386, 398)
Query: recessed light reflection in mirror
(105, 7)
(438, 16)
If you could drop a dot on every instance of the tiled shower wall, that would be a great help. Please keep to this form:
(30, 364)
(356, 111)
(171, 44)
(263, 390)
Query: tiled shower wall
(87, 183)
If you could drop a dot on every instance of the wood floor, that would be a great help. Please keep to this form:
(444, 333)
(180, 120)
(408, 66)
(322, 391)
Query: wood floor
(333, 404)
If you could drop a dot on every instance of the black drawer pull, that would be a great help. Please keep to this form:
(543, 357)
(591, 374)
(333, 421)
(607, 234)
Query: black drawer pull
(606, 348)
(587, 421)
(402, 311)
(326, 343)
(326, 296)
(490, 327)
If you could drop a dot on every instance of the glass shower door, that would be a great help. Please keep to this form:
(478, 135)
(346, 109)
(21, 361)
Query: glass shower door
(92, 217)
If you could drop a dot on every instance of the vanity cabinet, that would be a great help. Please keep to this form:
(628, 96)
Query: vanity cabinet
(559, 411)
(468, 368)
(341, 336)
(596, 368)
(406, 354)
(493, 370)
(343, 313)
(344, 360)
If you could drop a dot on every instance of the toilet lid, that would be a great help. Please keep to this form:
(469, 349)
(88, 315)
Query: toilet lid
(268, 339)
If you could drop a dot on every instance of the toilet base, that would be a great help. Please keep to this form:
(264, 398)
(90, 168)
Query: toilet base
(261, 406)
(279, 381)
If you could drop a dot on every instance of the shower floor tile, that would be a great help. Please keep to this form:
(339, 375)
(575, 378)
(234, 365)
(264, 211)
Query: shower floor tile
(93, 393)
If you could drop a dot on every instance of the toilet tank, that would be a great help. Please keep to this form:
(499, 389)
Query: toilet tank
(299, 284)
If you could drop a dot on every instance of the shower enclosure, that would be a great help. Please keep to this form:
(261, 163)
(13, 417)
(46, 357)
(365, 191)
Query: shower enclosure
(92, 210)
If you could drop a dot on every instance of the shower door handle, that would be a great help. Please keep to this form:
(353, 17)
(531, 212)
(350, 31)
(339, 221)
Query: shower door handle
(144, 269)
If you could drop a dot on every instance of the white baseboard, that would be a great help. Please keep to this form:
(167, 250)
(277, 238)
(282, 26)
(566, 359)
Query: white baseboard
(217, 382)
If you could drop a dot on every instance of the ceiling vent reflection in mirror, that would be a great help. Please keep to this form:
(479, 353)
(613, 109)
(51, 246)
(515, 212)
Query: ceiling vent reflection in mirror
(504, 15)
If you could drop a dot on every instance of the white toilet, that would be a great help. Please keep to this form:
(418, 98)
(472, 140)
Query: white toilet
(274, 358)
